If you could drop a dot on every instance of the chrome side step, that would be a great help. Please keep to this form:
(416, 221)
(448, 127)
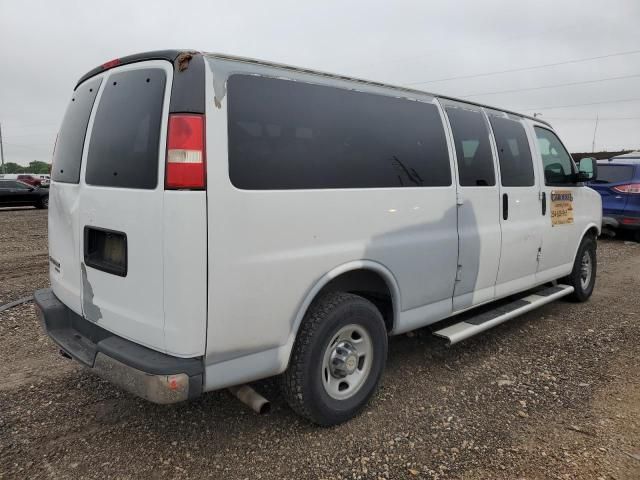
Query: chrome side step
(473, 325)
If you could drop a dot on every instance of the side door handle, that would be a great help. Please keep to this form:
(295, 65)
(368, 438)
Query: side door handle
(505, 206)
(544, 203)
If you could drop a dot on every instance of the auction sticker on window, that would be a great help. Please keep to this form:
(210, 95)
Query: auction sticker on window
(561, 207)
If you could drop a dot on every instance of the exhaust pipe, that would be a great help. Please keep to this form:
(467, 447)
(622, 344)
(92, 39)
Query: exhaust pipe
(251, 398)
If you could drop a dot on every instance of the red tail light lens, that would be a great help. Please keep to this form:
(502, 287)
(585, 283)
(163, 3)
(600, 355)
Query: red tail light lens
(111, 63)
(630, 188)
(185, 152)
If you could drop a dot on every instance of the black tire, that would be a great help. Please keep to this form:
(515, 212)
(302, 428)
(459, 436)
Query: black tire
(302, 383)
(581, 293)
(43, 202)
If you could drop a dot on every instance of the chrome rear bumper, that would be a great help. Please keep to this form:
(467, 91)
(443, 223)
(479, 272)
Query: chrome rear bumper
(149, 374)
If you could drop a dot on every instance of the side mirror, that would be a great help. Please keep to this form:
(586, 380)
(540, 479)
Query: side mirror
(587, 169)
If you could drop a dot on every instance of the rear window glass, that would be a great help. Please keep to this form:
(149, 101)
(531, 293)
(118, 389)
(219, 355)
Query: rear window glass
(516, 167)
(124, 145)
(68, 152)
(295, 135)
(615, 173)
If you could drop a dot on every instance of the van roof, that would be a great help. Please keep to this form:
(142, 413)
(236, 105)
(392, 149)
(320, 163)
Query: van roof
(173, 56)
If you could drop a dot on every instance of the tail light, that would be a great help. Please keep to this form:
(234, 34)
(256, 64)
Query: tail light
(185, 152)
(629, 188)
(110, 64)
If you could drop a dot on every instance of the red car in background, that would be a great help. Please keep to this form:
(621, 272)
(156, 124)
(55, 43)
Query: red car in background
(30, 179)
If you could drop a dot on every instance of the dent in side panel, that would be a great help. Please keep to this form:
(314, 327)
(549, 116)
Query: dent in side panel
(63, 244)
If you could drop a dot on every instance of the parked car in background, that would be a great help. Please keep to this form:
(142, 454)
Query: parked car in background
(45, 180)
(16, 193)
(34, 179)
(30, 178)
(618, 184)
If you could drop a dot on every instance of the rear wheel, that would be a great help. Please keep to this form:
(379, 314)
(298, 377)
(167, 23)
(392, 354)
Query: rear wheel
(337, 360)
(583, 275)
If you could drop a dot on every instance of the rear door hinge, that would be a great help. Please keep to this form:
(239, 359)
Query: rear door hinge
(539, 256)
(459, 199)
(459, 273)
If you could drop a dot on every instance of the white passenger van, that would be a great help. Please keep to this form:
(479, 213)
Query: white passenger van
(216, 220)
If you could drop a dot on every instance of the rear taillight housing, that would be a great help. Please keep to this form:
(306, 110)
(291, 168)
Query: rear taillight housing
(110, 64)
(629, 188)
(185, 152)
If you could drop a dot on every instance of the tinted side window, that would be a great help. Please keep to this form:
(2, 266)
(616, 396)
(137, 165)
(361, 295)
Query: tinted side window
(614, 173)
(558, 164)
(13, 185)
(68, 151)
(516, 167)
(473, 150)
(295, 135)
(123, 150)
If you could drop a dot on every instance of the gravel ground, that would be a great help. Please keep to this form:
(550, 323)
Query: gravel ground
(552, 394)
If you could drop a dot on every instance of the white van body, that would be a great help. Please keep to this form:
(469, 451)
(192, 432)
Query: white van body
(224, 275)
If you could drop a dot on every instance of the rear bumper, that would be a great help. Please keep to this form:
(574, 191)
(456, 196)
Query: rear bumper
(149, 374)
(628, 222)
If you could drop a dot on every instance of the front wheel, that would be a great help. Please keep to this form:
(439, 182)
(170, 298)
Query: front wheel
(337, 359)
(583, 275)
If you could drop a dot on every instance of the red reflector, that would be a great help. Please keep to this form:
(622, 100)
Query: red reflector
(630, 221)
(185, 152)
(630, 188)
(111, 63)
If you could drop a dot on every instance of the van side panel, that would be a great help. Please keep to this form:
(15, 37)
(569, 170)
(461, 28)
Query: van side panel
(269, 248)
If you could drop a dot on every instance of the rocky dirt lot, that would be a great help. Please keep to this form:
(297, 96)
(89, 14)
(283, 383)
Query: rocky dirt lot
(552, 394)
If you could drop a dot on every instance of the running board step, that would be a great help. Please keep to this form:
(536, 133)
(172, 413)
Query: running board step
(484, 321)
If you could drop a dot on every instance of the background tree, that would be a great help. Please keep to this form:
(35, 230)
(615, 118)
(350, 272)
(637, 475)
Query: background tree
(38, 167)
(11, 167)
(34, 167)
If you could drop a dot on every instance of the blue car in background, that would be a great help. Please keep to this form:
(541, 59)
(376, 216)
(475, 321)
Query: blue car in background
(618, 183)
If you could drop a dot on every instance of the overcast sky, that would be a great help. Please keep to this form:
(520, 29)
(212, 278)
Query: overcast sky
(45, 46)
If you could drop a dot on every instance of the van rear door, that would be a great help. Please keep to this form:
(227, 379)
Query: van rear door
(131, 255)
(121, 204)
